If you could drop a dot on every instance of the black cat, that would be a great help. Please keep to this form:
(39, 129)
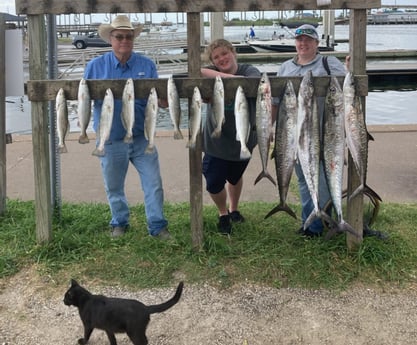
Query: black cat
(114, 315)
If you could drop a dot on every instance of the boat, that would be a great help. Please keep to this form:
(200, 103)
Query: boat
(280, 45)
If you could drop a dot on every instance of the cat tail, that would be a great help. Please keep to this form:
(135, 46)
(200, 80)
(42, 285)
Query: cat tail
(159, 308)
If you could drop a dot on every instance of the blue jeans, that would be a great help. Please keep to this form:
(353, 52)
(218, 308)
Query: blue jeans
(306, 201)
(114, 165)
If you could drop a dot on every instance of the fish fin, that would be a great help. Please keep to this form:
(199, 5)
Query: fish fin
(356, 192)
(370, 137)
(83, 139)
(265, 174)
(178, 135)
(281, 207)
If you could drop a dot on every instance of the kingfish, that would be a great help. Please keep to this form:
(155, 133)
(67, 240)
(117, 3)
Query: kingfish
(84, 110)
(174, 107)
(195, 118)
(106, 120)
(128, 109)
(334, 152)
(264, 125)
(285, 148)
(242, 122)
(63, 125)
(218, 107)
(357, 135)
(308, 150)
(151, 114)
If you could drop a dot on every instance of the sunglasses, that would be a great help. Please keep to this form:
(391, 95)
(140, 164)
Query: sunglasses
(120, 38)
(299, 32)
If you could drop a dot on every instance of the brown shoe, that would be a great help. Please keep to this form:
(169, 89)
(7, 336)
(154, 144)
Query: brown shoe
(164, 235)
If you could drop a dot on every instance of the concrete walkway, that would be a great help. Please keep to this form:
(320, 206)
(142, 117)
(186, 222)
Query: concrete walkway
(392, 170)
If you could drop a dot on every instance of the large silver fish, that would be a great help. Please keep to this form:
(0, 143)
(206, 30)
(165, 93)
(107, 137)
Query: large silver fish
(83, 110)
(174, 107)
(106, 120)
(334, 151)
(285, 148)
(63, 125)
(309, 142)
(151, 114)
(242, 122)
(128, 109)
(357, 135)
(218, 107)
(195, 118)
(264, 125)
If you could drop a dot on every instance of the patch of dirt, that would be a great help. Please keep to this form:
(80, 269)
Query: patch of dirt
(32, 312)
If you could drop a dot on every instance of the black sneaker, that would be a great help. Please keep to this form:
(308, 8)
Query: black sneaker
(236, 217)
(308, 233)
(224, 225)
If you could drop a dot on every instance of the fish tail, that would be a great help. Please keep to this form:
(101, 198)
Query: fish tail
(83, 139)
(265, 174)
(216, 134)
(150, 149)
(98, 152)
(356, 192)
(313, 215)
(128, 139)
(178, 135)
(336, 228)
(191, 144)
(245, 154)
(62, 148)
(370, 191)
(281, 207)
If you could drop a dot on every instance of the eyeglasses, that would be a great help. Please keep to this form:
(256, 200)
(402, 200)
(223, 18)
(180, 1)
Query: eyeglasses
(299, 32)
(120, 38)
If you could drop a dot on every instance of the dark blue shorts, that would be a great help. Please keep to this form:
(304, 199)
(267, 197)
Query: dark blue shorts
(217, 171)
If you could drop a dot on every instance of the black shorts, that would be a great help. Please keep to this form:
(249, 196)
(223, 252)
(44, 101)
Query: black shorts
(217, 171)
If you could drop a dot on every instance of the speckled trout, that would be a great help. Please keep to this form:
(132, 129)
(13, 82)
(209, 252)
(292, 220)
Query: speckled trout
(63, 125)
(218, 107)
(242, 122)
(106, 120)
(151, 114)
(128, 109)
(83, 110)
(174, 107)
(195, 118)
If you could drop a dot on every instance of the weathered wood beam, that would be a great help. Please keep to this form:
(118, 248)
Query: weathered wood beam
(46, 90)
(40, 128)
(154, 6)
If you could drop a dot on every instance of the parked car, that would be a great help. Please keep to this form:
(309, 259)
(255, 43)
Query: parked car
(90, 40)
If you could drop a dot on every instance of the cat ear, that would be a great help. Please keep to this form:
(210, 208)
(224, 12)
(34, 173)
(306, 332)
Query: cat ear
(73, 283)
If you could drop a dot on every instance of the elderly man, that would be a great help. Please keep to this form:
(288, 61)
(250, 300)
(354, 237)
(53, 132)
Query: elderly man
(123, 63)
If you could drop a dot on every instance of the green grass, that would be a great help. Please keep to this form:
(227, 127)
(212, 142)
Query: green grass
(266, 252)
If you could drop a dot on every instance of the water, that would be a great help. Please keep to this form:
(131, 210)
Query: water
(382, 107)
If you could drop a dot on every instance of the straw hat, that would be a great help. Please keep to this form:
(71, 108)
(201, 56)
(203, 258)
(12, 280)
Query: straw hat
(121, 22)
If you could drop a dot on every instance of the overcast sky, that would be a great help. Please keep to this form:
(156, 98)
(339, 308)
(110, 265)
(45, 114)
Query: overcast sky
(8, 6)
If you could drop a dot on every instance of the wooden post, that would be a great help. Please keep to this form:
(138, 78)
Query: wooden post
(196, 193)
(2, 114)
(40, 142)
(357, 52)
